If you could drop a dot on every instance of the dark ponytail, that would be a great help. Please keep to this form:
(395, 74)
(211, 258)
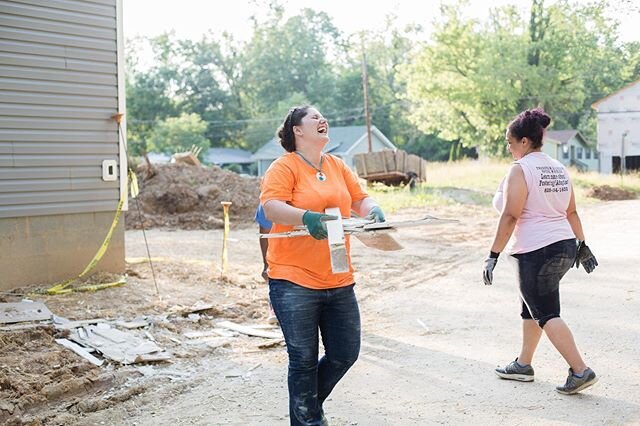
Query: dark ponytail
(530, 124)
(285, 131)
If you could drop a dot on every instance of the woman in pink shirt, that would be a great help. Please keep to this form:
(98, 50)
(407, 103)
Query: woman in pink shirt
(538, 228)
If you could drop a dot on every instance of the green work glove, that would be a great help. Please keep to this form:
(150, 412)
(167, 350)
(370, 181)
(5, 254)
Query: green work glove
(375, 214)
(315, 223)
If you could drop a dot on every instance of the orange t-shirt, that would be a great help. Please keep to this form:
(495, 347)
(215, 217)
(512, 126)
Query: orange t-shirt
(305, 260)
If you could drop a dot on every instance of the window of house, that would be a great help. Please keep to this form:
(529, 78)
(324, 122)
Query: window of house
(587, 154)
(565, 152)
(595, 155)
(580, 153)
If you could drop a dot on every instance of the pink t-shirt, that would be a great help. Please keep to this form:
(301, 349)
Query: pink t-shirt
(544, 217)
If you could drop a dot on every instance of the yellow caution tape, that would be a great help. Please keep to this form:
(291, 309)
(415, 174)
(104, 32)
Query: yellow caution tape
(87, 288)
(61, 287)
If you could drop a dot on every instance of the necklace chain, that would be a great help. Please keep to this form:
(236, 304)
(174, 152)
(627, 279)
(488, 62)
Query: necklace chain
(318, 169)
(319, 173)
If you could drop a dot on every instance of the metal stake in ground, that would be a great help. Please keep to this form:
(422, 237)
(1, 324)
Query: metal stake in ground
(225, 234)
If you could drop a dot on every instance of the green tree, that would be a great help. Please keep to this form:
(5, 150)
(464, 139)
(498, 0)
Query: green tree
(179, 134)
(209, 85)
(149, 92)
(475, 76)
(289, 56)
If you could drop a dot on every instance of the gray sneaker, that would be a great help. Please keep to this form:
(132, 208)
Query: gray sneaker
(513, 371)
(576, 384)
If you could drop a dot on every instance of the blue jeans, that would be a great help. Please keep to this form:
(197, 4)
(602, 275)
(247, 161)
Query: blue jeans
(302, 312)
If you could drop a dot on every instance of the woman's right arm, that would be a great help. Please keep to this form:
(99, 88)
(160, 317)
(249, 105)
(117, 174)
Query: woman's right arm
(280, 212)
(574, 219)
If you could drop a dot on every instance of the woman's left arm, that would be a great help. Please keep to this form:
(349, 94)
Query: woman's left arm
(364, 206)
(515, 196)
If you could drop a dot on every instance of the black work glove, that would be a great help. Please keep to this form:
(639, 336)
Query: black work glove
(585, 257)
(315, 223)
(488, 267)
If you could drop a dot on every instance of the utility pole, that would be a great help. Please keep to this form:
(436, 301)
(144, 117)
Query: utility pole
(365, 89)
(623, 166)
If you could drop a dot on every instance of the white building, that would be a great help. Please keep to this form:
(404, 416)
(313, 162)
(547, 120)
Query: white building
(619, 129)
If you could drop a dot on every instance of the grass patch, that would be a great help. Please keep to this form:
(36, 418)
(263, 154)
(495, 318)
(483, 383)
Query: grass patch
(475, 182)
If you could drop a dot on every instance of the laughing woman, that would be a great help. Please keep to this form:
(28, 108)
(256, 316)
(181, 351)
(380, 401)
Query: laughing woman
(307, 297)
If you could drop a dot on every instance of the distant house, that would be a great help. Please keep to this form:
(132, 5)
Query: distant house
(227, 156)
(344, 142)
(619, 129)
(63, 166)
(571, 149)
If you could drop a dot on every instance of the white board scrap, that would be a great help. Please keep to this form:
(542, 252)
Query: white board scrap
(11, 313)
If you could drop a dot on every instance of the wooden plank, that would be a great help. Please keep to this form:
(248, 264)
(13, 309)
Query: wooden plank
(390, 160)
(11, 313)
(154, 357)
(248, 330)
(84, 353)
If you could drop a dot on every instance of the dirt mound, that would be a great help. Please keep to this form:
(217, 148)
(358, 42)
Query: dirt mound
(188, 197)
(609, 193)
(37, 374)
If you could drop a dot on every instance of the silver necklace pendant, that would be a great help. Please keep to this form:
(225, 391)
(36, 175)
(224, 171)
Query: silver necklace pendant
(321, 176)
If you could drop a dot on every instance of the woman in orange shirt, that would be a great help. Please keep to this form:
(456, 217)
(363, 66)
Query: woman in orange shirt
(306, 295)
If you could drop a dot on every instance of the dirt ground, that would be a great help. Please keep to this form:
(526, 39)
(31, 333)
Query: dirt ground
(432, 335)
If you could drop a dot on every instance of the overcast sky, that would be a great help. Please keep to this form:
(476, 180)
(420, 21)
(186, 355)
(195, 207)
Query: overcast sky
(192, 18)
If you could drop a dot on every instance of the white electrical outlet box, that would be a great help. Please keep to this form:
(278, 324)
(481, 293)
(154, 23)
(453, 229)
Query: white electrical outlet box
(109, 170)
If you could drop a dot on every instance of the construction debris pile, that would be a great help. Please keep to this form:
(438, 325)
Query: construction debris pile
(182, 196)
(609, 193)
(52, 368)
